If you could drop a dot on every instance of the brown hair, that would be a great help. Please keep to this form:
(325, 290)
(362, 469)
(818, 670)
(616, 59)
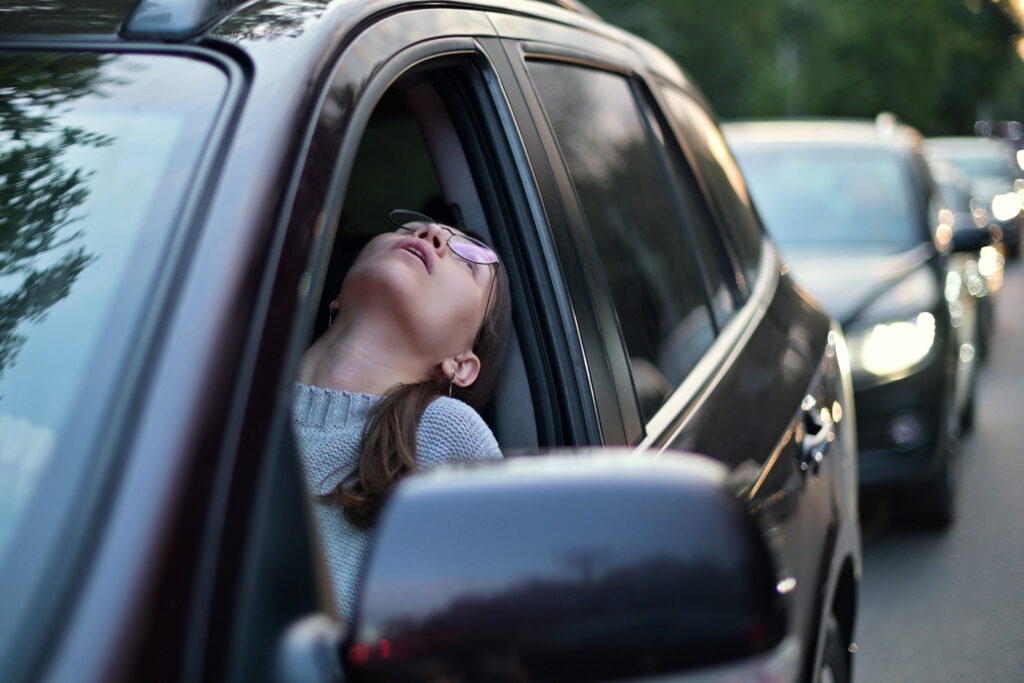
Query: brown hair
(388, 450)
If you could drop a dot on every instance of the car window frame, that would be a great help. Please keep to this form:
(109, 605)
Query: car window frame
(524, 37)
(587, 241)
(623, 62)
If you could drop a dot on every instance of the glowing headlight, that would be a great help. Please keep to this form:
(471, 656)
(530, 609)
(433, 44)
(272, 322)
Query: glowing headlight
(893, 347)
(1006, 206)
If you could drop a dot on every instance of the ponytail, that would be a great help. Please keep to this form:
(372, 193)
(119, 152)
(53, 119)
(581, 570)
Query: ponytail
(388, 451)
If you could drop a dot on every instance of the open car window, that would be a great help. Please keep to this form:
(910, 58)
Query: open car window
(424, 149)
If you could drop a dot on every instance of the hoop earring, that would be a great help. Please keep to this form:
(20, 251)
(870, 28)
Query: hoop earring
(451, 381)
(330, 315)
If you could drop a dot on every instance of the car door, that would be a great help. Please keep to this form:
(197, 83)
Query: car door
(710, 349)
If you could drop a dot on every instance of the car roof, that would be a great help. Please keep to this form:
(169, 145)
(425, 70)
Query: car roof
(160, 19)
(884, 131)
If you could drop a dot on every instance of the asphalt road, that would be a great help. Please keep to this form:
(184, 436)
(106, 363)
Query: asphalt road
(949, 606)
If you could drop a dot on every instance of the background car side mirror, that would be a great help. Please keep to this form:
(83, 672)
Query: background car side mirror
(567, 568)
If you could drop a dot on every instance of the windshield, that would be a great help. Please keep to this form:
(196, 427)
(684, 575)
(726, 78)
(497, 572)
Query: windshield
(96, 154)
(826, 195)
(981, 165)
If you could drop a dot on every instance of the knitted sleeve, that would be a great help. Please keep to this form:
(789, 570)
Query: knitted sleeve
(451, 431)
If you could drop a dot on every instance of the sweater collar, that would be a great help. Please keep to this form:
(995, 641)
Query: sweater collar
(314, 406)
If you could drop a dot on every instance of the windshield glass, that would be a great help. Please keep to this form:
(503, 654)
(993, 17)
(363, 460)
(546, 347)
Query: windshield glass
(96, 154)
(825, 195)
(981, 165)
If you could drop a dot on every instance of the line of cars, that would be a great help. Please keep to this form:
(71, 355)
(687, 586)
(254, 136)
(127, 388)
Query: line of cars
(887, 230)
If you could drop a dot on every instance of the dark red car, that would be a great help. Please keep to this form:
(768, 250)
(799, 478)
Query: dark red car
(179, 184)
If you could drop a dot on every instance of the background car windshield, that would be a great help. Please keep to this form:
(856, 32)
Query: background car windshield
(819, 196)
(981, 165)
(96, 154)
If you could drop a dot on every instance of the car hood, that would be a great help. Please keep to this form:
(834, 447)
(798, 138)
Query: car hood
(848, 283)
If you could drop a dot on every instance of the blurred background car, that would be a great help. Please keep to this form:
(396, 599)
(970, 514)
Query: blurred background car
(860, 222)
(995, 176)
(982, 269)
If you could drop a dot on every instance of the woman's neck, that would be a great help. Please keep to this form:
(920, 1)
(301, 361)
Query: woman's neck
(349, 358)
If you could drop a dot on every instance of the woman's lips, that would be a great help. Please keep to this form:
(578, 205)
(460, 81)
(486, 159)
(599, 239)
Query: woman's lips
(420, 250)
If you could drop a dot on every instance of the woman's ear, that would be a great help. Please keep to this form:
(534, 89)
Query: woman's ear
(462, 369)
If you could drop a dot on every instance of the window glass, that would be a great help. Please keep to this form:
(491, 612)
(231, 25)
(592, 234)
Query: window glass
(96, 154)
(630, 208)
(717, 271)
(725, 182)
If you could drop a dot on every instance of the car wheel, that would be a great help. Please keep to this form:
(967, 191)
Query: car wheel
(835, 661)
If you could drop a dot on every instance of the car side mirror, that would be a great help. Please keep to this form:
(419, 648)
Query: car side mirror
(568, 568)
(970, 239)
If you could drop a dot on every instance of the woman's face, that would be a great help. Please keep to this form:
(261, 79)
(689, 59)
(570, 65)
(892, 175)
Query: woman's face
(436, 298)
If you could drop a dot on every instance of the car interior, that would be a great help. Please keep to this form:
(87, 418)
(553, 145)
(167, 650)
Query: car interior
(426, 120)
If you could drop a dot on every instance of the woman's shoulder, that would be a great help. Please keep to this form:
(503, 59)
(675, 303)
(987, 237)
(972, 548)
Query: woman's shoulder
(452, 429)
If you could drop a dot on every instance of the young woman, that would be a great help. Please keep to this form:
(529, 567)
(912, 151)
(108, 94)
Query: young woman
(395, 384)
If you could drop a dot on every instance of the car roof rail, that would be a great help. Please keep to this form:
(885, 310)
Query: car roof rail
(176, 19)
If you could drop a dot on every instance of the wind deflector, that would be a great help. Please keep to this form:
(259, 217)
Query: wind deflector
(175, 19)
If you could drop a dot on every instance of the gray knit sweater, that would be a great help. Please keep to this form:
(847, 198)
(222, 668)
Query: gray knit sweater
(329, 428)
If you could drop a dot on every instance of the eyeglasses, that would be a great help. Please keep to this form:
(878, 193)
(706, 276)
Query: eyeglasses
(463, 246)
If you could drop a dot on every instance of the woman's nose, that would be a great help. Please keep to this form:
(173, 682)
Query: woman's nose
(434, 234)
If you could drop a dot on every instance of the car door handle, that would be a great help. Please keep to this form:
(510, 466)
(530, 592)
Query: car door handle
(819, 433)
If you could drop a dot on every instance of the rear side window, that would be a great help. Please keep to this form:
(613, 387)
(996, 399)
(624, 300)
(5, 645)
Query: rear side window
(97, 152)
(633, 216)
(725, 182)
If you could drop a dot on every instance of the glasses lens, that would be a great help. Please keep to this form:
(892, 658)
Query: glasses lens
(472, 250)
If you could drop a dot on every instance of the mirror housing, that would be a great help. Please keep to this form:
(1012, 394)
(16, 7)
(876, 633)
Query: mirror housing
(565, 568)
(971, 239)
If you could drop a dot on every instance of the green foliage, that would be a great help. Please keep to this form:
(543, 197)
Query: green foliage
(937, 64)
(38, 193)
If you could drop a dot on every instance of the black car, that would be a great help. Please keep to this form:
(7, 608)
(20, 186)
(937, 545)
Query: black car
(862, 224)
(184, 182)
(992, 165)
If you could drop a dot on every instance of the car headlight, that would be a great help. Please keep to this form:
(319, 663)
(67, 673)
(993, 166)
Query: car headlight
(893, 347)
(1006, 206)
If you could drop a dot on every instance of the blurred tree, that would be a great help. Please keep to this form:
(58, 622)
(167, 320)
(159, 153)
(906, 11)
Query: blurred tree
(933, 63)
